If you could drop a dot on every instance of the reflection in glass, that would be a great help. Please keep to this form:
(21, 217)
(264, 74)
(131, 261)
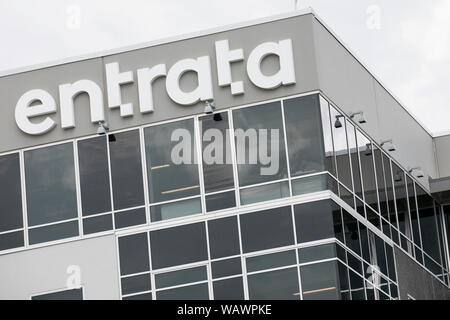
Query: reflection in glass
(354, 150)
(365, 150)
(220, 201)
(272, 260)
(164, 172)
(327, 136)
(315, 253)
(175, 209)
(320, 281)
(265, 193)
(274, 285)
(314, 220)
(10, 193)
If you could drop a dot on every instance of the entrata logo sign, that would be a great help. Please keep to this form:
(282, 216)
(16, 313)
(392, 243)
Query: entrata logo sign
(38, 102)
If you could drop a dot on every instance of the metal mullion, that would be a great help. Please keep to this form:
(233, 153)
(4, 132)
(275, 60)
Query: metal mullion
(208, 266)
(111, 193)
(78, 188)
(286, 150)
(144, 175)
(199, 157)
(24, 198)
(234, 158)
(296, 253)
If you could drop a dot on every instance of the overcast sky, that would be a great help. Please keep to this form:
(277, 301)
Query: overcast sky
(406, 43)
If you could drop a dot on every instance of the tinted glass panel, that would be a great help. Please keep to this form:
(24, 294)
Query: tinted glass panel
(10, 193)
(304, 136)
(53, 232)
(136, 284)
(225, 268)
(267, 229)
(320, 281)
(94, 175)
(97, 224)
(314, 220)
(217, 167)
(351, 232)
(353, 148)
(229, 289)
(269, 261)
(133, 251)
(73, 294)
(220, 201)
(310, 184)
(378, 156)
(223, 237)
(310, 254)
(164, 172)
(175, 209)
(274, 285)
(126, 169)
(145, 296)
(247, 124)
(179, 245)
(179, 277)
(11, 240)
(401, 200)
(196, 292)
(50, 181)
(368, 170)
(129, 218)
(265, 193)
(327, 136)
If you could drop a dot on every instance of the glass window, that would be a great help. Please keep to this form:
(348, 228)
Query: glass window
(351, 232)
(97, 224)
(272, 260)
(340, 148)
(217, 167)
(94, 175)
(265, 193)
(313, 184)
(53, 232)
(126, 169)
(220, 201)
(145, 296)
(274, 285)
(10, 193)
(390, 190)
(72, 294)
(320, 281)
(344, 285)
(11, 240)
(267, 229)
(133, 251)
(175, 209)
(50, 182)
(223, 237)
(413, 211)
(304, 136)
(225, 268)
(134, 284)
(378, 157)
(229, 289)
(178, 245)
(401, 201)
(171, 152)
(175, 278)
(259, 129)
(130, 218)
(316, 253)
(354, 150)
(314, 220)
(195, 292)
(357, 286)
(368, 170)
(327, 136)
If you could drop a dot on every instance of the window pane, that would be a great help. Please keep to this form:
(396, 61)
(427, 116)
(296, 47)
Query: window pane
(10, 193)
(314, 220)
(322, 252)
(220, 201)
(274, 285)
(136, 284)
(312, 184)
(94, 175)
(175, 209)
(72, 294)
(320, 281)
(304, 136)
(164, 172)
(175, 278)
(50, 180)
(229, 289)
(368, 170)
(401, 200)
(223, 237)
(351, 232)
(11, 240)
(413, 211)
(196, 292)
(53, 232)
(357, 286)
(382, 192)
(179, 245)
(265, 193)
(428, 225)
(97, 224)
(145, 296)
(126, 169)
(353, 148)
(327, 136)
(225, 268)
(267, 229)
(217, 167)
(340, 148)
(133, 252)
(247, 125)
(130, 218)
(269, 261)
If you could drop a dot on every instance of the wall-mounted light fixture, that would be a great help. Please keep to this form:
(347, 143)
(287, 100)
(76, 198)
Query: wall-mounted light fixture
(102, 128)
(417, 172)
(338, 123)
(388, 144)
(358, 116)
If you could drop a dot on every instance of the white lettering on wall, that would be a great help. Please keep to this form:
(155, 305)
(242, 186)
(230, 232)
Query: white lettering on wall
(146, 76)
(114, 79)
(24, 111)
(225, 57)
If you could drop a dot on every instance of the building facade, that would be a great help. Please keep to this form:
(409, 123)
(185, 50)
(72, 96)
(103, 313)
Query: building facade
(114, 184)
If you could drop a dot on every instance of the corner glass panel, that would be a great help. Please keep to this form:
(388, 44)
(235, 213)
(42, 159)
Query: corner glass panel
(272, 260)
(162, 142)
(50, 184)
(314, 220)
(310, 254)
(401, 201)
(365, 150)
(330, 163)
(320, 281)
(274, 285)
(390, 190)
(126, 169)
(10, 193)
(259, 129)
(304, 136)
(354, 150)
(311, 184)
(381, 182)
(265, 193)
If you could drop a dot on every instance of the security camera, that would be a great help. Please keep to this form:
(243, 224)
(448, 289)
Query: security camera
(102, 128)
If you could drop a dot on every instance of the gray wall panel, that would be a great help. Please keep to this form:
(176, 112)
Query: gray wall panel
(443, 155)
